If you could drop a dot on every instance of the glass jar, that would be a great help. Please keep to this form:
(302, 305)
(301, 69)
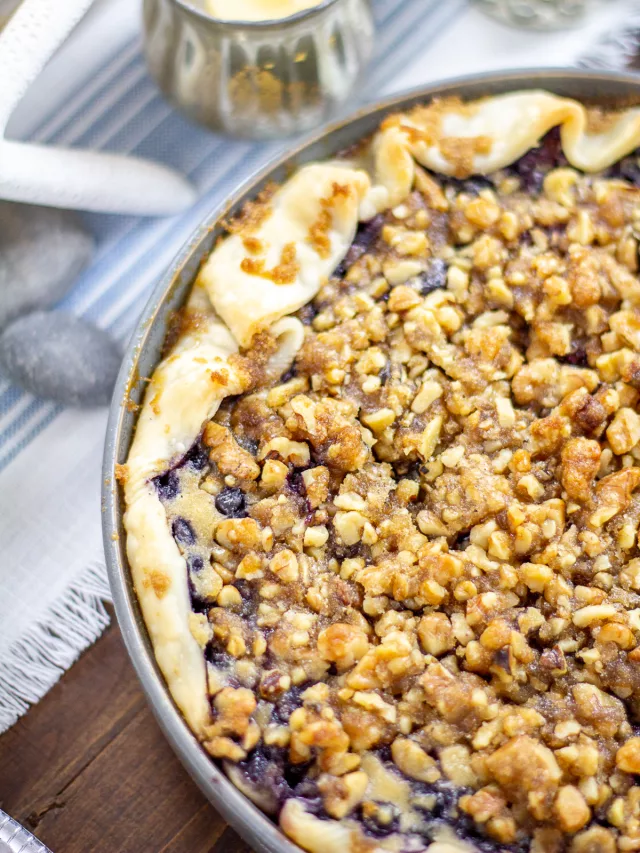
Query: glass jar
(258, 79)
(536, 14)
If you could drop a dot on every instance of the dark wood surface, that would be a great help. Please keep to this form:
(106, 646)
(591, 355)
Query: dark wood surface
(88, 770)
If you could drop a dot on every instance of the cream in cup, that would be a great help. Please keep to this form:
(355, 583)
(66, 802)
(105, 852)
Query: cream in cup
(257, 10)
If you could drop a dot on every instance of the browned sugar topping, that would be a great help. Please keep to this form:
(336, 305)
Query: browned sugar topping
(440, 542)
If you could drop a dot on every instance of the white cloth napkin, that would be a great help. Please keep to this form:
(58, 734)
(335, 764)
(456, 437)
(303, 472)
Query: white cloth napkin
(96, 94)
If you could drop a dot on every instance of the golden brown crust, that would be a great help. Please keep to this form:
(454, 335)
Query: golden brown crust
(461, 139)
(281, 269)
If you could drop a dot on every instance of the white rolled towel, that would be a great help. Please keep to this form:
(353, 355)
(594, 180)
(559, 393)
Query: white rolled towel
(71, 178)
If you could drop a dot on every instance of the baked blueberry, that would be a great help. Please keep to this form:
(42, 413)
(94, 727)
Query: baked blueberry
(231, 502)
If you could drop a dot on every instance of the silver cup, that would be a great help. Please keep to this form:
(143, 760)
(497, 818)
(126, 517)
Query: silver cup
(258, 79)
(536, 14)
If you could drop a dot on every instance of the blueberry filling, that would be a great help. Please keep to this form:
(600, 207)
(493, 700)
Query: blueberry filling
(222, 660)
(249, 444)
(348, 552)
(266, 777)
(183, 531)
(471, 186)
(385, 373)
(232, 503)
(445, 813)
(314, 806)
(249, 594)
(289, 374)
(296, 483)
(627, 169)
(295, 775)
(384, 755)
(534, 165)
(276, 780)
(381, 819)
(197, 457)
(167, 485)
(287, 704)
(196, 564)
(198, 604)
(462, 541)
(366, 236)
(434, 277)
(501, 660)
(307, 314)
(577, 357)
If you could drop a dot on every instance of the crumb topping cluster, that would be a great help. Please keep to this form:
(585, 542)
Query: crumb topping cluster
(416, 554)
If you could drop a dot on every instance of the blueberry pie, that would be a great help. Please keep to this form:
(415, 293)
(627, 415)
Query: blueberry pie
(384, 493)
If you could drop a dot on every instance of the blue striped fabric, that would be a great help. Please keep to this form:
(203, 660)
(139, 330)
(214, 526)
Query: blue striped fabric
(120, 109)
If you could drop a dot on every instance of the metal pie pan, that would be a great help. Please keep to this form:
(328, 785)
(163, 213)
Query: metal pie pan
(143, 354)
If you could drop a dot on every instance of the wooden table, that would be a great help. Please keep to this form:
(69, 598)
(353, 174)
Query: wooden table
(88, 770)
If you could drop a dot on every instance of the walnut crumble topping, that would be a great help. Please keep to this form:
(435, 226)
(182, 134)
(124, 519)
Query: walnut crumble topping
(413, 560)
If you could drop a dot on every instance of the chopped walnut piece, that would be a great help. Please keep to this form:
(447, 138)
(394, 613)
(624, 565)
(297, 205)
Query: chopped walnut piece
(224, 747)
(613, 494)
(593, 706)
(580, 464)
(452, 696)
(343, 644)
(316, 481)
(296, 452)
(414, 761)
(227, 454)
(524, 765)
(274, 474)
(342, 795)
(285, 566)
(456, 764)
(238, 534)
(402, 298)
(234, 708)
(571, 809)
(594, 840)
(485, 804)
(627, 325)
(628, 756)
(436, 634)
(623, 432)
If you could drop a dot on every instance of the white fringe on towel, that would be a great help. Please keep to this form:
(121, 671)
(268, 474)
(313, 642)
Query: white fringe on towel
(34, 663)
(616, 50)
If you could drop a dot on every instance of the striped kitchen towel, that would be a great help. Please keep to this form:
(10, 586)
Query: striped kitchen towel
(52, 577)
